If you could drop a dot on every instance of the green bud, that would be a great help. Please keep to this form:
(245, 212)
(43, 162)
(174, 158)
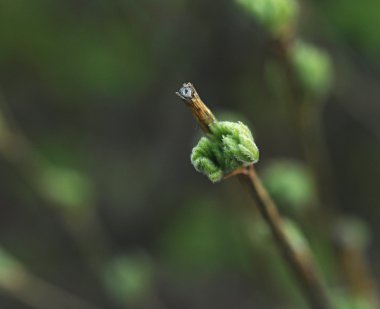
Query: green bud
(229, 146)
(277, 16)
(290, 184)
(313, 68)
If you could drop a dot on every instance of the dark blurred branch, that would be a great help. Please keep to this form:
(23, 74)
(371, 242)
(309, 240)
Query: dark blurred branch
(42, 295)
(81, 221)
(304, 112)
(79, 218)
(18, 282)
(82, 224)
(351, 243)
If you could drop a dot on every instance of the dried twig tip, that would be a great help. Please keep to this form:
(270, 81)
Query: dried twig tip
(202, 114)
(187, 92)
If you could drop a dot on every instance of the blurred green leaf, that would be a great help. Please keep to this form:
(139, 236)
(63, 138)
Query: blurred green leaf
(290, 184)
(343, 300)
(129, 278)
(65, 187)
(313, 68)
(276, 15)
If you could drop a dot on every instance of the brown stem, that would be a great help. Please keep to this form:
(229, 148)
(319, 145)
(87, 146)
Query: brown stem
(302, 264)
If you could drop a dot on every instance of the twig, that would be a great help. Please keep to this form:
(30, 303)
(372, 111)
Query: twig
(18, 282)
(83, 226)
(302, 265)
(305, 116)
(350, 245)
(307, 123)
(39, 294)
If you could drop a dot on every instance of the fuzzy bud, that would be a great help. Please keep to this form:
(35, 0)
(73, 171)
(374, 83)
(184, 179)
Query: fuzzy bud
(229, 146)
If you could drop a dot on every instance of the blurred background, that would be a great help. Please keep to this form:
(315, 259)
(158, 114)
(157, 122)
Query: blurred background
(99, 204)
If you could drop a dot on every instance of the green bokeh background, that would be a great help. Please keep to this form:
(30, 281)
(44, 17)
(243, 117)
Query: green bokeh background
(91, 86)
